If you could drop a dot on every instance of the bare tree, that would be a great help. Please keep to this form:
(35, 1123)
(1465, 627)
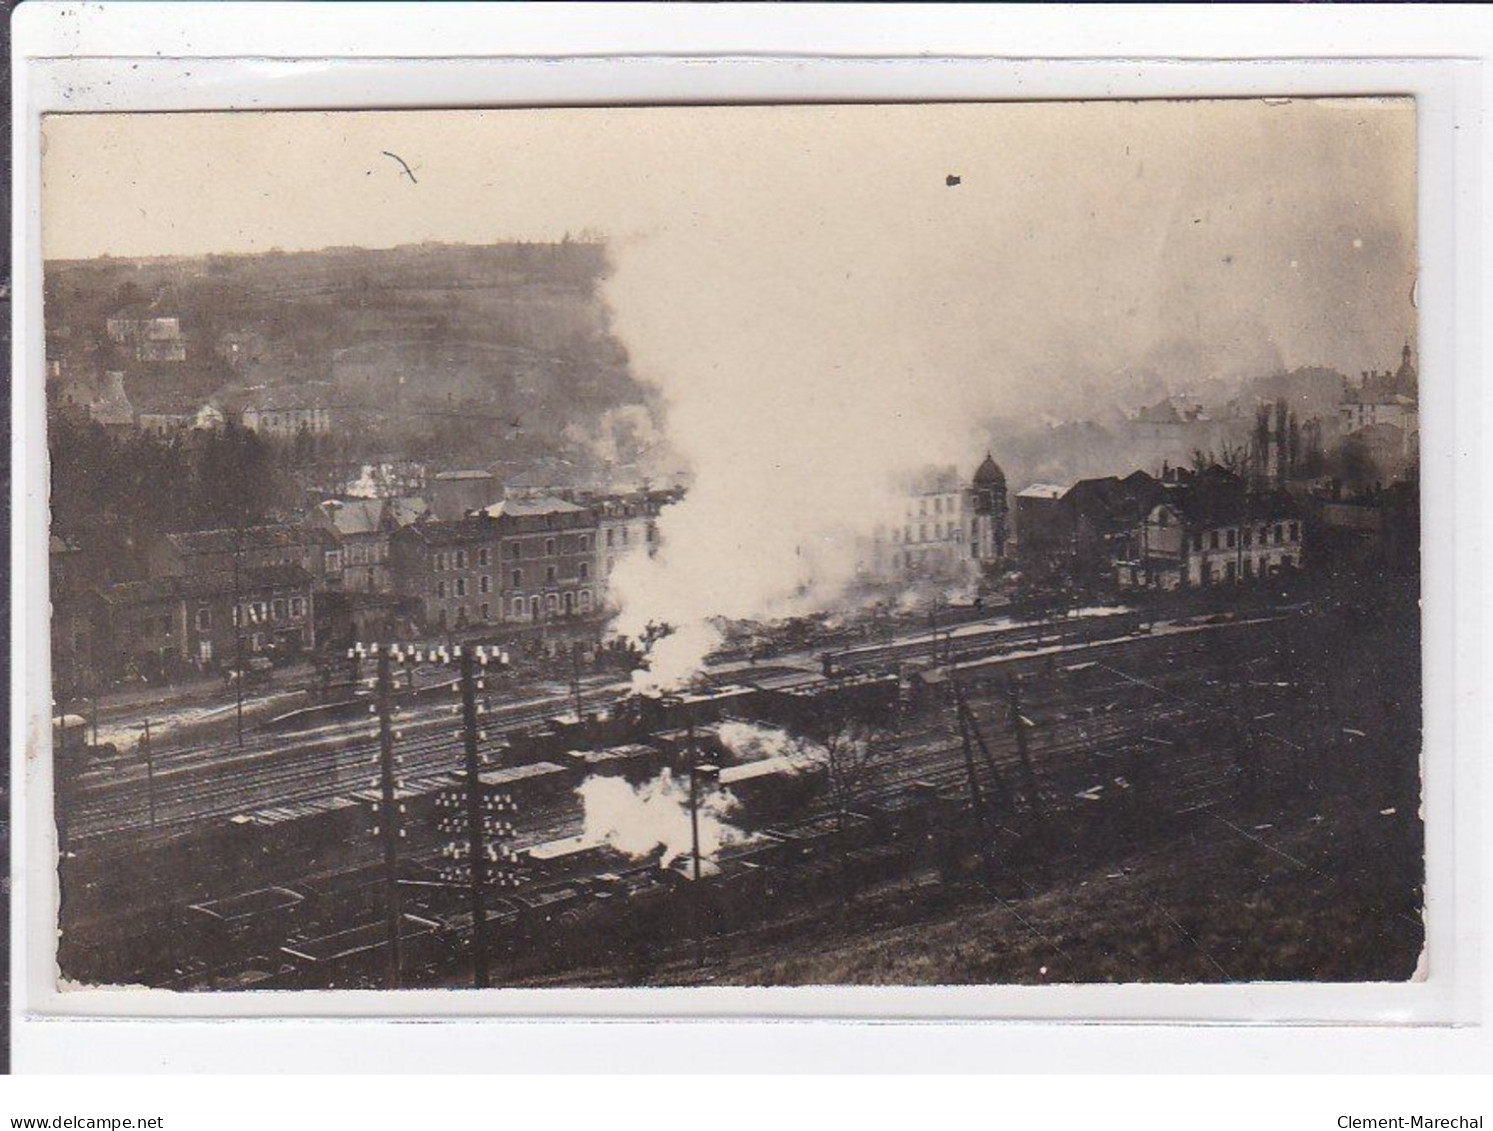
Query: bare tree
(855, 757)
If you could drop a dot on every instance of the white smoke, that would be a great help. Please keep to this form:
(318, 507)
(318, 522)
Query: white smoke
(654, 818)
(752, 742)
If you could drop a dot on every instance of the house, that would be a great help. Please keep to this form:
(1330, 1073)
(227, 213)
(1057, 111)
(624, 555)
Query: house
(548, 564)
(449, 570)
(625, 524)
(167, 626)
(148, 332)
(1384, 398)
(101, 399)
(1079, 531)
(931, 532)
(363, 528)
(1209, 529)
(279, 412)
(313, 549)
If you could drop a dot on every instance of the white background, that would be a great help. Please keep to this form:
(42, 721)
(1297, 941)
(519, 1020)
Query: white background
(980, 53)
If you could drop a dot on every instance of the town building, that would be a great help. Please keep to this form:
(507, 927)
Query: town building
(549, 552)
(1384, 398)
(456, 494)
(363, 528)
(148, 333)
(1209, 529)
(988, 507)
(313, 549)
(1078, 532)
(162, 627)
(449, 571)
(625, 524)
(931, 535)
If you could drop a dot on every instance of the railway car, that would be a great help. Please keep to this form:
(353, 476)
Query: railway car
(772, 787)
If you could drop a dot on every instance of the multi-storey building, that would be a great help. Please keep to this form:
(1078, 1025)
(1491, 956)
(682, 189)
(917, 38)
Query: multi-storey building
(1208, 529)
(549, 552)
(450, 569)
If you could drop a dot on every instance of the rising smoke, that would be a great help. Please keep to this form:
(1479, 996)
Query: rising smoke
(653, 819)
(815, 335)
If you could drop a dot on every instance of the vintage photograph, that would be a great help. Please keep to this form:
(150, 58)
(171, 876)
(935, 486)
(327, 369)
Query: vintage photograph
(898, 545)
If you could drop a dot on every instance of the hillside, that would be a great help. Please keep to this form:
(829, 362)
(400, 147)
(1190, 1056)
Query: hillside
(480, 348)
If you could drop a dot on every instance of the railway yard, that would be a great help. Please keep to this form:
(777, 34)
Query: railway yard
(1001, 767)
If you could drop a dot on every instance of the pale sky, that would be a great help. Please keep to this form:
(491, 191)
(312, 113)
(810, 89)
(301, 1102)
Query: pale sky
(1082, 237)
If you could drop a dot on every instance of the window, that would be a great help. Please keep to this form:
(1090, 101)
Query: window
(484, 584)
(517, 578)
(482, 558)
(166, 624)
(515, 549)
(1287, 561)
(332, 561)
(461, 559)
(1212, 539)
(922, 532)
(585, 570)
(585, 544)
(549, 574)
(204, 620)
(549, 547)
(298, 604)
(624, 535)
(279, 608)
(534, 607)
(440, 562)
(486, 611)
(461, 587)
(1249, 538)
(518, 607)
(609, 536)
(1249, 567)
(1278, 534)
(551, 603)
(1295, 531)
(938, 506)
(1228, 571)
(1231, 539)
(569, 602)
(440, 588)
(1197, 541)
(585, 600)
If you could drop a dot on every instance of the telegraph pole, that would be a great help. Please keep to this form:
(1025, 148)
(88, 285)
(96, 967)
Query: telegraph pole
(476, 850)
(240, 676)
(388, 829)
(482, 859)
(150, 774)
(1019, 725)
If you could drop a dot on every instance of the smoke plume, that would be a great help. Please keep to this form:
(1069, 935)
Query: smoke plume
(654, 818)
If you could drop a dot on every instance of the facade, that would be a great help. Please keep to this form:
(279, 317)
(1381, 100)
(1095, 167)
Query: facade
(449, 571)
(625, 524)
(549, 553)
(313, 549)
(363, 528)
(931, 537)
(279, 412)
(170, 625)
(148, 333)
(1207, 530)
(1384, 398)
(1079, 532)
(989, 520)
(456, 494)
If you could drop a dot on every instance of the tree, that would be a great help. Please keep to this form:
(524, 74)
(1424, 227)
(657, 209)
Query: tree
(855, 756)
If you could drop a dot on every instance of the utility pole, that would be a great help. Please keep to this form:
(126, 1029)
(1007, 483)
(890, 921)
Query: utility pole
(1019, 726)
(482, 859)
(575, 678)
(150, 774)
(240, 676)
(388, 829)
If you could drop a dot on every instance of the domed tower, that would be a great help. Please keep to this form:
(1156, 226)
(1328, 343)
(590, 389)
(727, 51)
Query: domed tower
(988, 495)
